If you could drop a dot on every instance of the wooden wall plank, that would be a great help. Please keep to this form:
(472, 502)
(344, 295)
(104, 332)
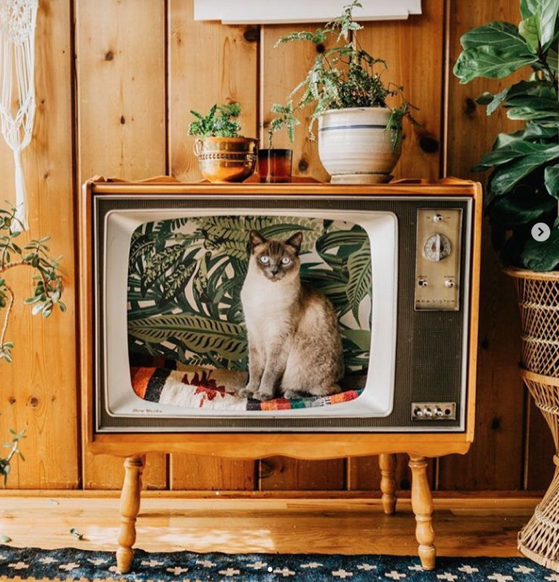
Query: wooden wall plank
(209, 63)
(282, 69)
(209, 474)
(38, 390)
(413, 50)
(539, 468)
(121, 107)
(496, 458)
(281, 473)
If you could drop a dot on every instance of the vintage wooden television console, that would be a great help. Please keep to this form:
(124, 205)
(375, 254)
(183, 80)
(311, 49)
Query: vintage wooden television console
(413, 246)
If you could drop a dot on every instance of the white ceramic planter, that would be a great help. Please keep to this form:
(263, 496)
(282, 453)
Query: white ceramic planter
(355, 147)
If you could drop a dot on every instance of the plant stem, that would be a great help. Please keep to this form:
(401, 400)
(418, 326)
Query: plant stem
(7, 316)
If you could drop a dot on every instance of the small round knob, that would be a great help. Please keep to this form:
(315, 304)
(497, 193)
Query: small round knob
(449, 283)
(423, 282)
(437, 218)
(438, 412)
(428, 412)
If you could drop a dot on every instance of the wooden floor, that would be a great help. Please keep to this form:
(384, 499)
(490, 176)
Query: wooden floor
(464, 527)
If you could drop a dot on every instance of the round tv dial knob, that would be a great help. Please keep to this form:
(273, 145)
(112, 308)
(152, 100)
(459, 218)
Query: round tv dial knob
(437, 247)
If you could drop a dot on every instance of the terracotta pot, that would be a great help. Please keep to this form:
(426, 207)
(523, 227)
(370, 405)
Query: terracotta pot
(355, 147)
(226, 159)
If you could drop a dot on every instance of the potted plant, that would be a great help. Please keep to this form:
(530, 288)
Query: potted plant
(47, 292)
(522, 203)
(360, 133)
(223, 154)
(275, 164)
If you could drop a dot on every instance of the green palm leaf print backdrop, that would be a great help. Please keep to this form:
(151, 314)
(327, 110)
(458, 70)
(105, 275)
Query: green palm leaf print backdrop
(185, 278)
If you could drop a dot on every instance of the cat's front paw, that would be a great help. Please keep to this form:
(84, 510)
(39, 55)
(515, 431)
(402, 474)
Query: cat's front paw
(247, 391)
(292, 395)
(262, 395)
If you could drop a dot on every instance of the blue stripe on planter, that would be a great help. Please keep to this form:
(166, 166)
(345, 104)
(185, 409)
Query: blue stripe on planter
(362, 126)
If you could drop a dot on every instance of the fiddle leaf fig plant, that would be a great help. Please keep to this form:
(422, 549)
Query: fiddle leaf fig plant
(523, 188)
(219, 122)
(345, 75)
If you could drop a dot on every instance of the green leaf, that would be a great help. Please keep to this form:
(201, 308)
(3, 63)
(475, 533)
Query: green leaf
(531, 90)
(542, 256)
(526, 203)
(552, 180)
(176, 282)
(546, 19)
(528, 29)
(526, 8)
(552, 60)
(199, 334)
(159, 263)
(360, 337)
(510, 174)
(488, 62)
(359, 278)
(515, 149)
(501, 36)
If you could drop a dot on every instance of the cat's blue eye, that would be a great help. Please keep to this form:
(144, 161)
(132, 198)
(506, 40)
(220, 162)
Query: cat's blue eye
(265, 259)
(285, 261)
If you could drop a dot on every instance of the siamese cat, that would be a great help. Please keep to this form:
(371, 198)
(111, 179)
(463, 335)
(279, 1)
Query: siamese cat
(295, 347)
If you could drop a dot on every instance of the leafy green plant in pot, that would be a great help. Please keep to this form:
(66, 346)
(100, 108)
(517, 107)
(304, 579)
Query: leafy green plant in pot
(359, 130)
(522, 203)
(223, 154)
(523, 188)
(47, 292)
(275, 164)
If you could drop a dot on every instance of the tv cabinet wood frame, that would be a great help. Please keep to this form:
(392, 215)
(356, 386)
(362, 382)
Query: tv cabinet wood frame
(133, 447)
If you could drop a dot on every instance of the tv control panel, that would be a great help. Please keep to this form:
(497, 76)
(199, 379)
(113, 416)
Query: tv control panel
(437, 263)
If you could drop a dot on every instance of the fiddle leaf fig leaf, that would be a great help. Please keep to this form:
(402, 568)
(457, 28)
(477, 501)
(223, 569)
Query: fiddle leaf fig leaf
(510, 174)
(552, 180)
(542, 256)
(546, 19)
(510, 151)
(528, 29)
(486, 61)
(501, 36)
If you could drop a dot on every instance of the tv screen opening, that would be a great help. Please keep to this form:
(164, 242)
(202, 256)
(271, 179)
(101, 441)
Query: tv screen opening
(176, 340)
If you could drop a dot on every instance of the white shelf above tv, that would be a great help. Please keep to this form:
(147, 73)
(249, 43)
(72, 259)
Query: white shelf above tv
(297, 11)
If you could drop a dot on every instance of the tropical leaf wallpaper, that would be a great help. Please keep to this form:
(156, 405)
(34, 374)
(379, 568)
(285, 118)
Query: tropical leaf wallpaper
(185, 278)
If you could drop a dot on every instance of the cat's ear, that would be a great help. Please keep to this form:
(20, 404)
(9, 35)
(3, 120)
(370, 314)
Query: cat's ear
(255, 239)
(295, 241)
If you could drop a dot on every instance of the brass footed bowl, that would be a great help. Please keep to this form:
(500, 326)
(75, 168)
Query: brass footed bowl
(226, 159)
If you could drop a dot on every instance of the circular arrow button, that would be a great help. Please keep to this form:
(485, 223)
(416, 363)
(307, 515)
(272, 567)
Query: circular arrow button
(541, 232)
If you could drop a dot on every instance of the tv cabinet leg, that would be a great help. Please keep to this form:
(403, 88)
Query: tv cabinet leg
(129, 509)
(422, 505)
(387, 464)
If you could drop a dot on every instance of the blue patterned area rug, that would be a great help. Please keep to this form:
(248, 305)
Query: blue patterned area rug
(31, 564)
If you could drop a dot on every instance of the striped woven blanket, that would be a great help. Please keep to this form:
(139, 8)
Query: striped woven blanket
(168, 382)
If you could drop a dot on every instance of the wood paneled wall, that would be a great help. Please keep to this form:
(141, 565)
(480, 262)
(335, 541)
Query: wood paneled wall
(115, 83)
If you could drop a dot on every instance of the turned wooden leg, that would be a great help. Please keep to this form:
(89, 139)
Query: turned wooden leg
(387, 464)
(422, 505)
(129, 508)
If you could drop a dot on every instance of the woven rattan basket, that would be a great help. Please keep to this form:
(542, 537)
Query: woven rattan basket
(538, 298)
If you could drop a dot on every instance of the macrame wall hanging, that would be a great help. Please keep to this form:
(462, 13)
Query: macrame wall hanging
(18, 20)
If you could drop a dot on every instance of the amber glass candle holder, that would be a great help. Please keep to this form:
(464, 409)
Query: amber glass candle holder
(274, 165)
